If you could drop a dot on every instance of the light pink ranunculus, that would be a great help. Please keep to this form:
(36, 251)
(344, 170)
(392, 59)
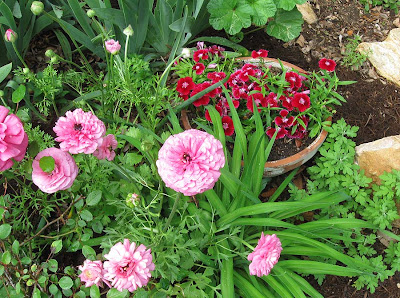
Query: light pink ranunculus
(265, 255)
(106, 148)
(189, 162)
(13, 139)
(79, 132)
(112, 46)
(128, 266)
(63, 175)
(92, 273)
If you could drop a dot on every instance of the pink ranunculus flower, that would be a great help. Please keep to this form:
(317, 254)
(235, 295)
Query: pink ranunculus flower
(189, 162)
(128, 266)
(13, 139)
(106, 148)
(265, 255)
(92, 273)
(63, 175)
(112, 46)
(79, 132)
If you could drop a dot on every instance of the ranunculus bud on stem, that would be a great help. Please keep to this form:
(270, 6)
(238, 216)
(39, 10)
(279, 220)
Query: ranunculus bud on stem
(128, 31)
(90, 13)
(10, 36)
(49, 53)
(37, 7)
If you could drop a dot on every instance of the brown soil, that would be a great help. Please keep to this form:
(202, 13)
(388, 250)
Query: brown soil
(372, 103)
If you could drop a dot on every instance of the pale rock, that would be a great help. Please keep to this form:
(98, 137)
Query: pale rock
(378, 157)
(396, 22)
(307, 12)
(385, 55)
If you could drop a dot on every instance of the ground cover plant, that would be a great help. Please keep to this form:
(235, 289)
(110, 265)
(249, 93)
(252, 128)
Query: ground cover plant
(149, 208)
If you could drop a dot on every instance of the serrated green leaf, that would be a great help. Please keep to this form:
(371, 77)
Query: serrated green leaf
(56, 246)
(262, 10)
(53, 265)
(288, 4)
(15, 247)
(232, 16)
(88, 252)
(65, 282)
(94, 291)
(86, 215)
(286, 25)
(6, 257)
(94, 198)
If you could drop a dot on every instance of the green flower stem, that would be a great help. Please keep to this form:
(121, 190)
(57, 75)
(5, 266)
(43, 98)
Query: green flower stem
(173, 211)
(126, 50)
(19, 55)
(227, 286)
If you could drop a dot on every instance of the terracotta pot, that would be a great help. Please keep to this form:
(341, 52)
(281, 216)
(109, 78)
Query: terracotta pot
(279, 167)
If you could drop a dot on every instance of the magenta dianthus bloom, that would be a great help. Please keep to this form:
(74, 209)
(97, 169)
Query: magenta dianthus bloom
(13, 139)
(265, 255)
(189, 162)
(106, 148)
(79, 132)
(92, 273)
(63, 175)
(128, 267)
(112, 46)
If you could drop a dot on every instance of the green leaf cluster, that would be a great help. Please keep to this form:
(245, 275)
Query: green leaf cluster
(281, 17)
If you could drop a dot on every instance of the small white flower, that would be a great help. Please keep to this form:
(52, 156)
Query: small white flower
(185, 53)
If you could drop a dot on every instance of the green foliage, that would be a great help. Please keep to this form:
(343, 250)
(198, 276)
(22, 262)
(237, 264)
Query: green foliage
(389, 4)
(17, 16)
(353, 58)
(234, 15)
(335, 169)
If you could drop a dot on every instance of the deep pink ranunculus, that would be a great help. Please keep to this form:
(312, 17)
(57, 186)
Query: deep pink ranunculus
(92, 273)
(112, 46)
(265, 255)
(128, 266)
(63, 175)
(13, 139)
(327, 64)
(79, 132)
(190, 162)
(106, 148)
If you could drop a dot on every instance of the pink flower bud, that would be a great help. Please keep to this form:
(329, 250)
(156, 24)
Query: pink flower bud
(10, 35)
